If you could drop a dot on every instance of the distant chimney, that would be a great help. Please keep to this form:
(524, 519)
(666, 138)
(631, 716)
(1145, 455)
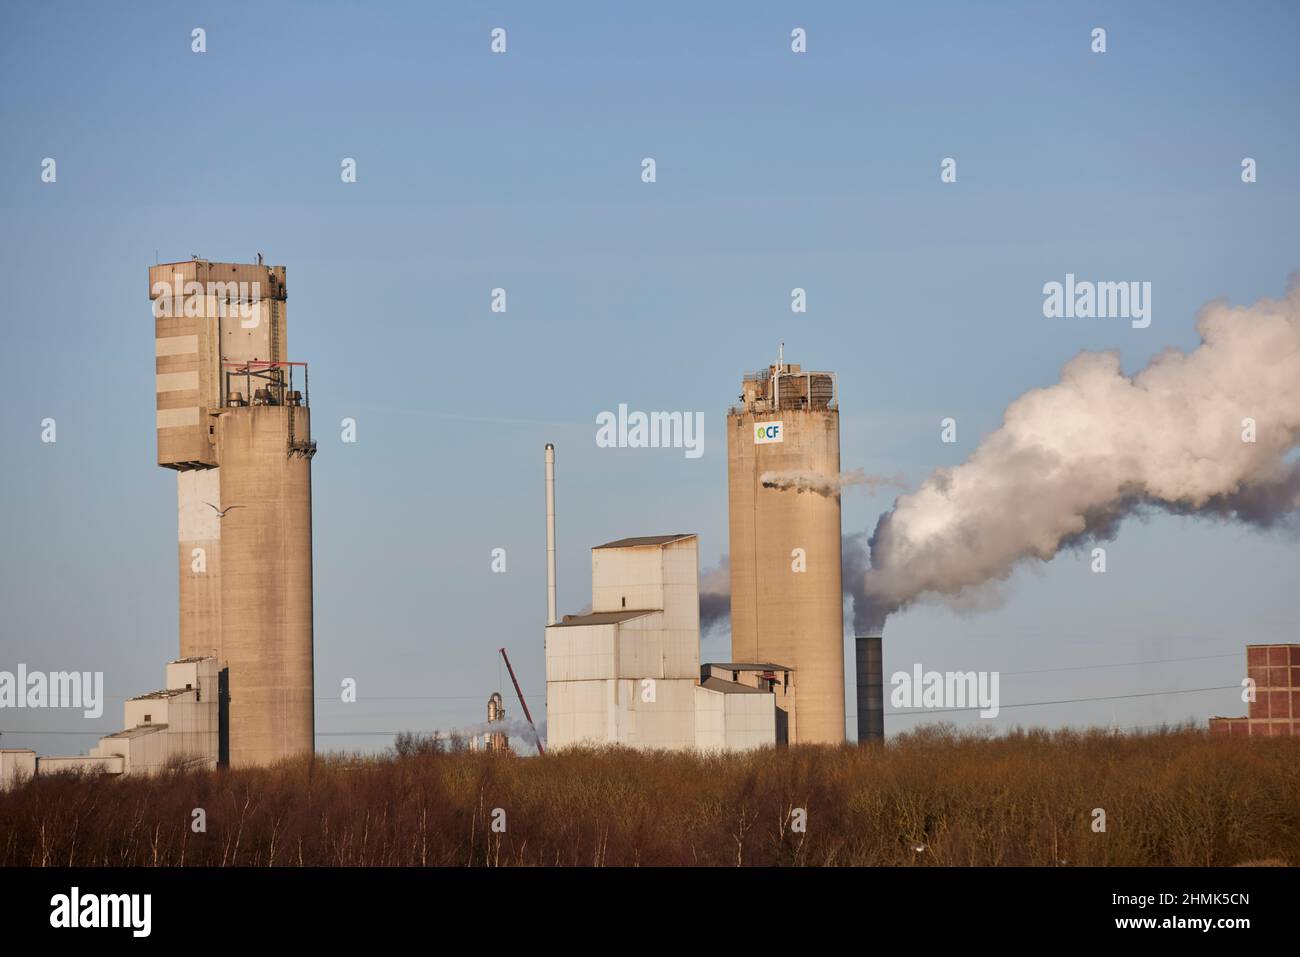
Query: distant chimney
(550, 534)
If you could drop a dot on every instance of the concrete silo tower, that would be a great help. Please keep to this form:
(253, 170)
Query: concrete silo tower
(233, 422)
(788, 421)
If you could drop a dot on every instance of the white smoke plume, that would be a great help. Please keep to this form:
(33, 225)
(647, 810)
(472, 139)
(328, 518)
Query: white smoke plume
(1071, 461)
(854, 562)
(514, 728)
(823, 483)
(715, 596)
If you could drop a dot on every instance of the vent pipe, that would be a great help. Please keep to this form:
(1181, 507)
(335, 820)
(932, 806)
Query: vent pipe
(871, 688)
(550, 534)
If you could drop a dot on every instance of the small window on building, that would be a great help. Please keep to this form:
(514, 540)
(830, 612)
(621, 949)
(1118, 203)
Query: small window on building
(148, 718)
(188, 686)
(625, 601)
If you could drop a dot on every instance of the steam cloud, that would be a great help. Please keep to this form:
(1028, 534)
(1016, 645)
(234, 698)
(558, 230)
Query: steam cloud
(1071, 461)
(823, 483)
(511, 727)
(715, 589)
(715, 596)
(854, 562)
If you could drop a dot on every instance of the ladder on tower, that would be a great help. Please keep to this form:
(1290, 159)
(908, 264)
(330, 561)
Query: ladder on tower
(275, 348)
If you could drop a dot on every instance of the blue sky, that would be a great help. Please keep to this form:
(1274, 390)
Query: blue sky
(522, 171)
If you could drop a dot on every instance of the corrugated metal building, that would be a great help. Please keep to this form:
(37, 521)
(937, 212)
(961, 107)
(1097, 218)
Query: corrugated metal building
(180, 724)
(629, 671)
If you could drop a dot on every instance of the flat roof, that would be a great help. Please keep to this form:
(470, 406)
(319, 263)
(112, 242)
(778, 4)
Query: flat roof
(211, 262)
(601, 618)
(164, 693)
(137, 731)
(729, 687)
(190, 661)
(746, 666)
(647, 540)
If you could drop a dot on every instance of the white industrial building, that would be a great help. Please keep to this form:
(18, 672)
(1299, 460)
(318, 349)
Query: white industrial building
(180, 724)
(16, 766)
(629, 671)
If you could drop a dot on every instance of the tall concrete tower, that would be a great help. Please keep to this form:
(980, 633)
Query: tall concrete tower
(233, 422)
(788, 420)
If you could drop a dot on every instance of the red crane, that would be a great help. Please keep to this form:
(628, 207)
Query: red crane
(519, 692)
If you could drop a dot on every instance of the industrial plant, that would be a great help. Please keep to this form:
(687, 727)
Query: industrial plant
(629, 672)
(232, 421)
(494, 740)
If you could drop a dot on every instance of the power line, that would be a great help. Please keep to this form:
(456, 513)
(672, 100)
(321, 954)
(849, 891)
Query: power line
(898, 714)
(894, 714)
(1124, 664)
(335, 698)
(428, 697)
(1005, 674)
(1036, 704)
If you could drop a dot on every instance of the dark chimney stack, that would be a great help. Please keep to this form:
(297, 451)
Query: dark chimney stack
(871, 688)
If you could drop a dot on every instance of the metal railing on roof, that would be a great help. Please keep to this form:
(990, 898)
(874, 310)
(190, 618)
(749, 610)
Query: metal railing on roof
(274, 383)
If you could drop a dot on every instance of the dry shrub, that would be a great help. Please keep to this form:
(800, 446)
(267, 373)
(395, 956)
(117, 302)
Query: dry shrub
(930, 797)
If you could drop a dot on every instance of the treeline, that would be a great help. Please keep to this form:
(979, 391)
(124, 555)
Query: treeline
(932, 797)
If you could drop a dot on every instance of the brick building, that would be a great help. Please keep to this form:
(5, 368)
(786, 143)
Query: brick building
(1275, 712)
